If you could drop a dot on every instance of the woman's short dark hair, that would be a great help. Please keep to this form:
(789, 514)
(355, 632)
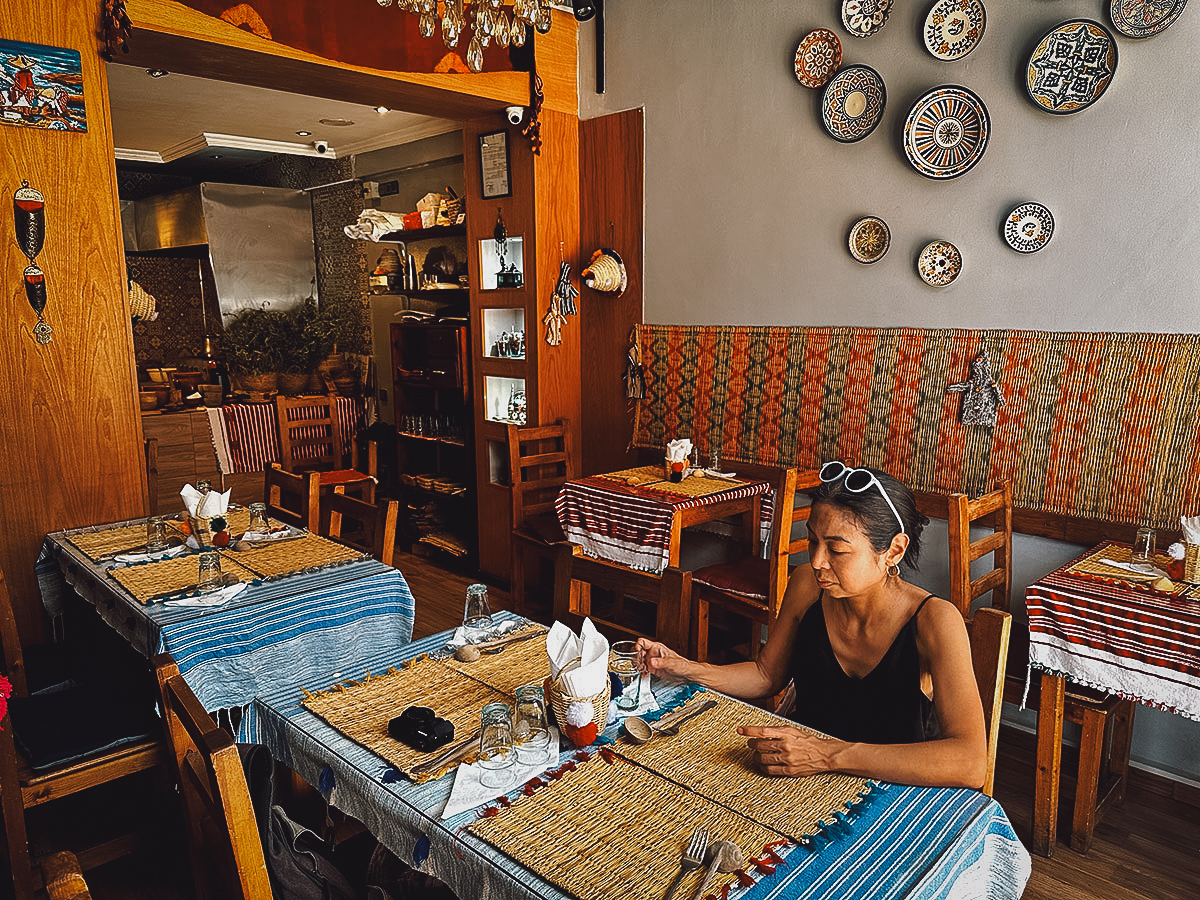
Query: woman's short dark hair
(873, 515)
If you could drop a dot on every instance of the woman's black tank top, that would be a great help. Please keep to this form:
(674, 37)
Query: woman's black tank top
(886, 706)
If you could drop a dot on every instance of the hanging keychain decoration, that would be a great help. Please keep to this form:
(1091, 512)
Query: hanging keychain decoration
(29, 215)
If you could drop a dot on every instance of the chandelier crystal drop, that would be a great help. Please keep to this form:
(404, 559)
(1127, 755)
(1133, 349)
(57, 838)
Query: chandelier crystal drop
(488, 20)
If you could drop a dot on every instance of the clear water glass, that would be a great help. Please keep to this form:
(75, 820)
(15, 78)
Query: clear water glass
(623, 662)
(1142, 553)
(209, 574)
(258, 519)
(477, 614)
(497, 753)
(156, 534)
(531, 728)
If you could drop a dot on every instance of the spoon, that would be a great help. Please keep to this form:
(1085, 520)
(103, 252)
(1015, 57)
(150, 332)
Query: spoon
(641, 731)
(723, 857)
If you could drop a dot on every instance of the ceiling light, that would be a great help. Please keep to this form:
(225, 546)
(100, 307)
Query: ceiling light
(381, 110)
(336, 123)
(157, 73)
(303, 133)
(216, 156)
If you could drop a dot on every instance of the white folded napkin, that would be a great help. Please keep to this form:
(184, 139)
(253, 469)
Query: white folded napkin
(213, 503)
(679, 450)
(468, 793)
(216, 598)
(459, 638)
(590, 648)
(1139, 568)
(282, 534)
(150, 556)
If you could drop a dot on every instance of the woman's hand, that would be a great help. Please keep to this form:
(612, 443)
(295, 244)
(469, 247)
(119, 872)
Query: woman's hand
(789, 751)
(659, 659)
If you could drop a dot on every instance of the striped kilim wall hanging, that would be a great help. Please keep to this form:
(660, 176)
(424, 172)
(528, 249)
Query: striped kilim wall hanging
(1099, 426)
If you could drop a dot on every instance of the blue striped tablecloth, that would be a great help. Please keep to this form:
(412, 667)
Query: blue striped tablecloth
(918, 843)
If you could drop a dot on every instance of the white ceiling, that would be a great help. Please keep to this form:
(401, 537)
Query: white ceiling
(158, 120)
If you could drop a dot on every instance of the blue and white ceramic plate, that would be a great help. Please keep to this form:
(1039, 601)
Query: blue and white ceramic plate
(1028, 228)
(946, 132)
(1144, 18)
(1071, 67)
(852, 103)
(953, 28)
(862, 18)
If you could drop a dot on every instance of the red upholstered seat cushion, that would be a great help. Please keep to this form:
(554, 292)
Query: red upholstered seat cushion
(745, 577)
(343, 476)
(544, 528)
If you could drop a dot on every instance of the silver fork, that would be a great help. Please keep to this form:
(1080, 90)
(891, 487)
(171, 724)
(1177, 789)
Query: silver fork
(693, 858)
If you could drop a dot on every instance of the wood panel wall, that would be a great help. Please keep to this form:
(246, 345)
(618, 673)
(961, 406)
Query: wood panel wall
(70, 431)
(612, 192)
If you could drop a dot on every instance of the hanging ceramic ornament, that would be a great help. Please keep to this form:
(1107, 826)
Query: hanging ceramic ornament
(29, 217)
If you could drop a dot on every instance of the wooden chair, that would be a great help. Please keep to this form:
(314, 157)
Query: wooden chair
(575, 575)
(293, 499)
(751, 586)
(540, 460)
(989, 632)
(1106, 720)
(371, 526)
(78, 737)
(311, 439)
(223, 836)
(151, 450)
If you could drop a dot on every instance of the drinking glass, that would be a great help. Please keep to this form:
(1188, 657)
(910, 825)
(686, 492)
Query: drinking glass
(531, 729)
(477, 614)
(258, 519)
(1142, 553)
(623, 662)
(156, 534)
(210, 570)
(497, 754)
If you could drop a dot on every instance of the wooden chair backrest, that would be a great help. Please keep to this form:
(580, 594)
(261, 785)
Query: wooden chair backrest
(12, 662)
(371, 526)
(292, 498)
(993, 509)
(989, 633)
(540, 460)
(151, 449)
(312, 438)
(223, 836)
(783, 543)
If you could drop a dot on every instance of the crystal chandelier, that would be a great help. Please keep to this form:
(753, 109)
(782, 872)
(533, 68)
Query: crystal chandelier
(488, 20)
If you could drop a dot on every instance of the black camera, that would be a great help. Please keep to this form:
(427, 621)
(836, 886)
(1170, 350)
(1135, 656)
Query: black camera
(421, 729)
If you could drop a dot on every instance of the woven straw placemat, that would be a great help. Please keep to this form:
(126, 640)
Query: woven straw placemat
(147, 579)
(613, 830)
(97, 544)
(513, 666)
(360, 710)
(1091, 566)
(711, 758)
(652, 477)
(274, 560)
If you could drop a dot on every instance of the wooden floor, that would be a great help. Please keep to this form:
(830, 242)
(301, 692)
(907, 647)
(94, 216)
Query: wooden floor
(1149, 849)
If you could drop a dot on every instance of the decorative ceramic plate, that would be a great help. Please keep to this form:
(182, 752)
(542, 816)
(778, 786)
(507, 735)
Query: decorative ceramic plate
(1144, 18)
(818, 57)
(1071, 67)
(954, 28)
(869, 239)
(1028, 228)
(939, 263)
(862, 18)
(946, 132)
(853, 102)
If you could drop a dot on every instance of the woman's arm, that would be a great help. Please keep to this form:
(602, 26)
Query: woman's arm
(748, 680)
(957, 759)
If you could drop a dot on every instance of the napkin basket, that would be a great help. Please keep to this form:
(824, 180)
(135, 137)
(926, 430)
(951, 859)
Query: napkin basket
(1191, 563)
(201, 529)
(560, 700)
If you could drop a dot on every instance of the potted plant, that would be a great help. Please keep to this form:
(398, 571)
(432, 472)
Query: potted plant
(254, 343)
(310, 342)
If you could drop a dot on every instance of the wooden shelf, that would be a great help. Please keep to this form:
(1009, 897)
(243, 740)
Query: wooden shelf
(435, 440)
(420, 234)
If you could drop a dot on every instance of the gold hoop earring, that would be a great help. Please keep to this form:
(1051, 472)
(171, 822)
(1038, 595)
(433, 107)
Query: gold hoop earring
(893, 571)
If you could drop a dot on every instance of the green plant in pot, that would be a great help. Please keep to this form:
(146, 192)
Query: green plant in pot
(312, 341)
(254, 344)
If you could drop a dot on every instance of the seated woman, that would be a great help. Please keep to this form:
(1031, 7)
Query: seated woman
(880, 665)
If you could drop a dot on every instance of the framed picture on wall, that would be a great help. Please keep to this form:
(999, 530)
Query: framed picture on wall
(493, 164)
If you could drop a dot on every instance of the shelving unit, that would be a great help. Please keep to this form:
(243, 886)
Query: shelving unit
(435, 423)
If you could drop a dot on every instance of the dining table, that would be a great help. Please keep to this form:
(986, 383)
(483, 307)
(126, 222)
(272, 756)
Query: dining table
(307, 608)
(635, 517)
(1095, 622)
(611, 819)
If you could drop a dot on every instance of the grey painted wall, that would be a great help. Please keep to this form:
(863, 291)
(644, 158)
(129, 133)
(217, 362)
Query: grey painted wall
(749, 201)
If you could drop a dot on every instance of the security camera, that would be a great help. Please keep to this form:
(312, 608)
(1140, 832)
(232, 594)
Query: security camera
(321, 146)
(515, 114)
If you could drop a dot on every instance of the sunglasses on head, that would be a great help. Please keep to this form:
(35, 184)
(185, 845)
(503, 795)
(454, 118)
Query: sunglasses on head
(856, 481)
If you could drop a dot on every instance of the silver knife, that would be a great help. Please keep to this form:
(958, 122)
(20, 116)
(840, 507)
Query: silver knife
(456, 752)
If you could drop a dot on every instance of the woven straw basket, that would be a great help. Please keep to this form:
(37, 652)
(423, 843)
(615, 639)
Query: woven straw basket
(560, 700)
(606, 272)
(1191, 563)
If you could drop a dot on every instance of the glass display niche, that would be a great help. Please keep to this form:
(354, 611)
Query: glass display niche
(504, 333)
(504, 399)
(492, 260)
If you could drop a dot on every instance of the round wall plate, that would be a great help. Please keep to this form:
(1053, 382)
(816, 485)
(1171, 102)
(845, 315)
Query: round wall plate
(1144, 18)
(1071, 67)
(939, 263)
(853, 102)
(953, 28)
(818, 57)
(1028, 228)
(869, 239)
(946, 132)
(862, 18)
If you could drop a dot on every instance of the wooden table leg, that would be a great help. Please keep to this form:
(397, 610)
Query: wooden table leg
(1049, 764)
